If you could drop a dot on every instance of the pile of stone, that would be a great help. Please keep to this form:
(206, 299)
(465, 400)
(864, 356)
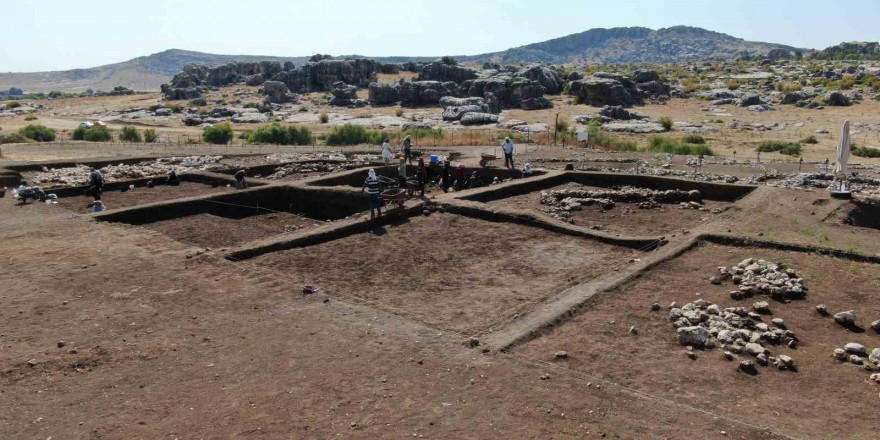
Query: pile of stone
(79, 175)
(760, 277)
(454, 109)
(704, 325)
(308, 168)
(857, 354)
(289, 157)
(560, 203)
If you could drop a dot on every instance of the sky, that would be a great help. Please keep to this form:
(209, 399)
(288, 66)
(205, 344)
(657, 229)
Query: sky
(44, 35)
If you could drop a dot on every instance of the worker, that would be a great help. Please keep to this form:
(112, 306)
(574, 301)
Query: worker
(386, 151)
(446, 176)
(173, 180)
(475, 181)
(373, 189)
(96, 183)
(422, 175)
(97, 206)
(240, 181)
(401, 173)
(528, 170)
(460, 177)
(507, 147)
(407, 149)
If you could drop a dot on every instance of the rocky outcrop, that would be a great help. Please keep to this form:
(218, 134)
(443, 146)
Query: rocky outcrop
(837, 99)
(479, 119)
(779, 54)
(438, 71)
(420, 93)
(598, 90)
(545, 76)
(359, 73)
(278, 93)
(345, 95)
(383, 93)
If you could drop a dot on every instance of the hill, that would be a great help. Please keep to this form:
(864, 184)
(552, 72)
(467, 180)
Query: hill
(632, 45)
(616, 45)
(142, 73)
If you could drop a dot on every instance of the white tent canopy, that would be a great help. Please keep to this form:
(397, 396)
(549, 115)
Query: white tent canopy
(843, 149)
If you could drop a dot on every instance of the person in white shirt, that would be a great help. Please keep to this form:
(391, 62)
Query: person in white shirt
(386, 152)
(507, 147)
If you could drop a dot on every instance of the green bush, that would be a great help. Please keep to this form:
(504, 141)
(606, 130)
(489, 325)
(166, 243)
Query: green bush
(218, 134)
(449, 60)
(663, 144)
(12, 105)
(55, 94)
(604, 140)
(276, 133)
(324, 118)
(349, 134)
(30, 118)
(94, 134)
(787, 148)
(150, 135)
(14, 138)
(252, 105)
(39, 133)
(130, 134)
(562, 126)
(174, 107)
(666, 122)
(398, 112)
(418, 132)
(810, 140)
(693, 139)
(865, 151)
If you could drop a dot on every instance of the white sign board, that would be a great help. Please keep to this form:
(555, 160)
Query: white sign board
(583, 136)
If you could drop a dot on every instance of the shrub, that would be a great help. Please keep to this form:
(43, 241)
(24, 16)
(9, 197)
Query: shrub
(130, 134)
(276, 133)
(218, 134)
(787, 148)
(55, 94)
(663, 144)
(30, 118)
(349, 134)
(562, 125)
(449, 60)
(252, 105)
(666, 122)
(810, 140)
(98, 134)
(150, 136)
(14, 138)
(324, 118)
(731, 84)
(174, 107)
(788, 87)
(418, 132)
(12, 105)
(693, 139)
(39, 133)
(604, 140)
(865, 151)
(398, 112)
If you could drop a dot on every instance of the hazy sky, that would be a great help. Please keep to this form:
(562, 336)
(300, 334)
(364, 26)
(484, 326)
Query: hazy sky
(62, 34)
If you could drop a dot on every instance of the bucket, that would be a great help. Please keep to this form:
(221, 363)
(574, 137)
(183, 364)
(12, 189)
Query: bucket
(434, 158)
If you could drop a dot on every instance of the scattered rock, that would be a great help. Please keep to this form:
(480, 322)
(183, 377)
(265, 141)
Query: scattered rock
(561, 355)
(847, 318)
(856, 348)
(748, 367)
(822, 309)
(655, 307)
(762, 307)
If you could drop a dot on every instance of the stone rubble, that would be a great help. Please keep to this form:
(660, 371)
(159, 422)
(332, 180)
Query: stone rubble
(560, 203)
(759, 277)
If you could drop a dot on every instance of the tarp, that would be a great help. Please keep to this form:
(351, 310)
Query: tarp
(843, 149)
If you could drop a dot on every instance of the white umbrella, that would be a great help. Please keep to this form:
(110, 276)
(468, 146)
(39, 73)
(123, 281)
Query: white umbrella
(843, 148)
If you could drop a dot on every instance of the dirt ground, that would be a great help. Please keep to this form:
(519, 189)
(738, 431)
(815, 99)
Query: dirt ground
(213, 231)
(159, 346)
(817, 401)
(624, 218)
(140, 196)
(448, 271)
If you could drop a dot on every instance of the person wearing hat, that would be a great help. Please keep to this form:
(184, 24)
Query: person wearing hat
(507, 147)
(373, 188)
(407, 149)
(96, 183)
(240, 182)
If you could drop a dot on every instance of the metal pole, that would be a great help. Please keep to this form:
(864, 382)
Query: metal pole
(555, 129)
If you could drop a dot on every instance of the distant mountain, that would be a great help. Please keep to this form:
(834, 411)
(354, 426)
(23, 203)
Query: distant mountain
(616, 45)
(632, 45)
(142, 73)
(853, 50)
